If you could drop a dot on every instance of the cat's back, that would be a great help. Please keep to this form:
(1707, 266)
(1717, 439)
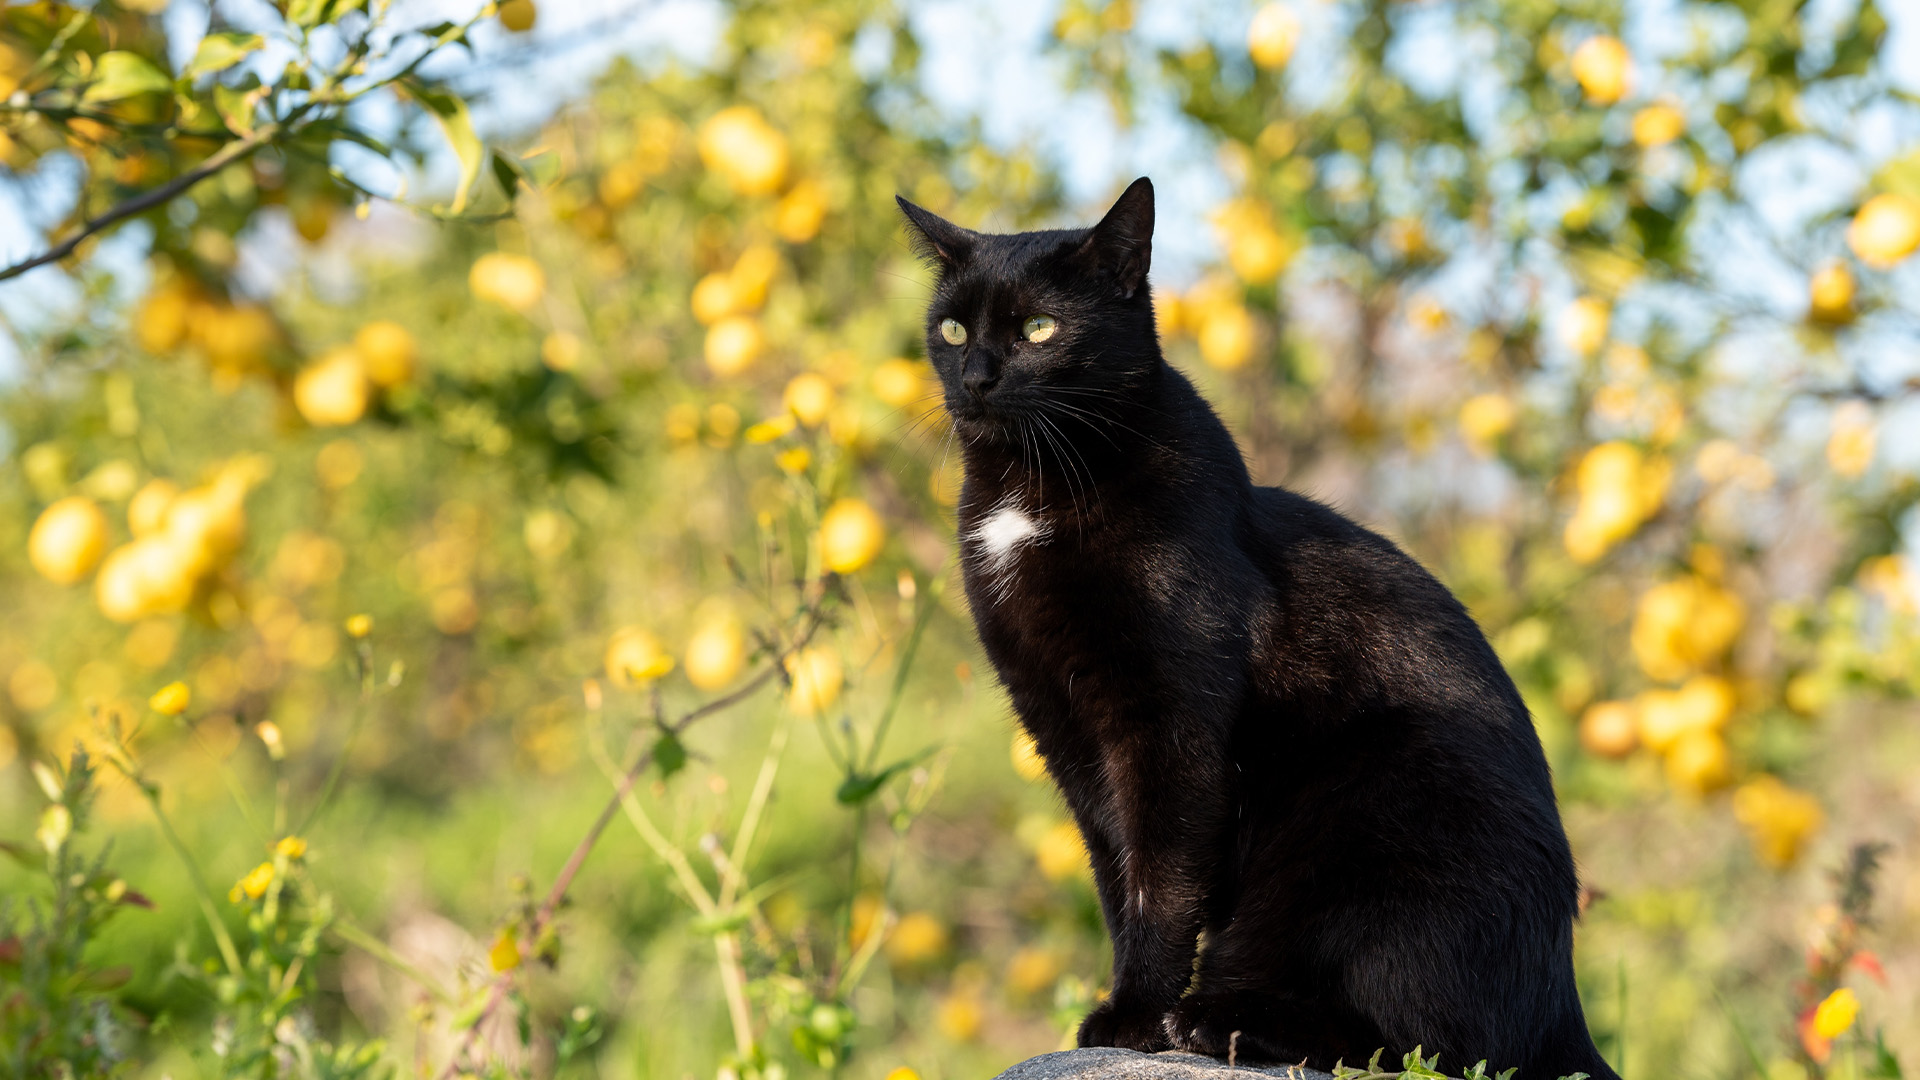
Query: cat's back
(1353, 609)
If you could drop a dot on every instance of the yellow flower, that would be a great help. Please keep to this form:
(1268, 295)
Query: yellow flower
(959, 1017)
(171, 699)
(1027, 761)
(291, 847)
(794, 459)
(387, 352)
(809, 397)
(151, 576)
(916, 939)
(1778, 818)
(901, 1072)
(816, 676)
(1833, 1016)
(504, 955)
(67, 540)
(332, 391)
(1601, 64)
(1658, 125)
(713, 298)
(269, 733)
(1060, 852)
(739, 144)
(561, 351)
(635, 657)
(1886, 230)
(359, 626)
(768, 430)
(254, 885)
(1255, 249)
(1273, 35)
(1032, 969)
(515, 282)
(851, 534)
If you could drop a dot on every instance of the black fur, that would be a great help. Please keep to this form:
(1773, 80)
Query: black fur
(1271, 724)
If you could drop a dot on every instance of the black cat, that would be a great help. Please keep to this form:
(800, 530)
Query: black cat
(1271, 724)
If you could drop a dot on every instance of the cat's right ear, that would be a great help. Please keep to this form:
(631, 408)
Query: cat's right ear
(936, 239)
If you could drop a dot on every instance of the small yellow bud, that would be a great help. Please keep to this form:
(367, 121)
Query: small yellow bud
(1833, 1016)
(291, 847)
(505, 953)
(1601, 64)
(359, 626)
(851, 534)
(171, 699)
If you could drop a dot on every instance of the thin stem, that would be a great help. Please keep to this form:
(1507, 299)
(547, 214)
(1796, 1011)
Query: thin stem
(921, 616)
(756, 808)
(365, 656)
(733, 983)
(201, 893)
(381, 951)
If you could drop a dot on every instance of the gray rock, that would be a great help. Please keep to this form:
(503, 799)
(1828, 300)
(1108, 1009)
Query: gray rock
(1110, 1063)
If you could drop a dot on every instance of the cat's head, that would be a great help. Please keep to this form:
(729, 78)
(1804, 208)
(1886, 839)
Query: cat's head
(1055, 324)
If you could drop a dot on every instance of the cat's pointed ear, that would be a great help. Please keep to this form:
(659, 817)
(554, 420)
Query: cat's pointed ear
(936, 239)
(1122, 244)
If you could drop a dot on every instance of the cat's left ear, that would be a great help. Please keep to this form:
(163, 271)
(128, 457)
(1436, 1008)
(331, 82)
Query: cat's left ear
(1122, 244)
(937, 240)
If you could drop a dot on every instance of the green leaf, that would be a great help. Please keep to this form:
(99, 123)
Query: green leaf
(858, 787)
(236, 108)
(451, 112)
(315, 12)
(1900, 176)
(669, 754)
(218, 52)
(118, 75)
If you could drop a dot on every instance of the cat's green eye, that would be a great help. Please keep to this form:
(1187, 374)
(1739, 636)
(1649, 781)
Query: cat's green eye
(1039, 328)
(953, 332)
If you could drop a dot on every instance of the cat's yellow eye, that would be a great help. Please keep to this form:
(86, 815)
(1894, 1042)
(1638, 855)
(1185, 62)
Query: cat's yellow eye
(1039, 328)
(953, 332)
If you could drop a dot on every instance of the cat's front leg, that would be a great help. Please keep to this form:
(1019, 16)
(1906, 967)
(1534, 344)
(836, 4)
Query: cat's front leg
(1155, 866)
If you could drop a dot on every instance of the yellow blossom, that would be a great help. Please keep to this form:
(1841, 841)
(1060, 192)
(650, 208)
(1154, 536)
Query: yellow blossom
(809, 397)
(959, 1017)
(254, 885)
(916, 939)
(514, 282)
(851, 534)
(1833, 1016)
(1486, 417)
(1273, 34)
(1778, 818)
(171, 699)
(1033, 969)
(359, 626)
(794, 459)
(1830, 293)
(635, 657)
(291, 847)
(1583, 325)
(504, 955)
(67, 540)
(1610, 729)
(739, 144)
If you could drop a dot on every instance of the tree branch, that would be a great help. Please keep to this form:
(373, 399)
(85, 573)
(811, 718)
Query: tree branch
(225, 156)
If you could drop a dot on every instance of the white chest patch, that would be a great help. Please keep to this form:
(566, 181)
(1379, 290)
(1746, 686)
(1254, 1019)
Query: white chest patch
(1001, 534)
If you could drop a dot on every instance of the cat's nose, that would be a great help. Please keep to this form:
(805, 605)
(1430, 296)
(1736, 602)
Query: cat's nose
(980, 377)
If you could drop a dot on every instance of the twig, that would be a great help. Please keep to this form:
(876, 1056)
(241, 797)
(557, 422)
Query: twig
(225, 156)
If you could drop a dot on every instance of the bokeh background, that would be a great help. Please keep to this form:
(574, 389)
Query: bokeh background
(485, 392)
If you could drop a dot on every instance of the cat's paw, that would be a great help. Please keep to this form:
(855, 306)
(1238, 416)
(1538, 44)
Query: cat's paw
(1220, 1027)
(1129, 1026)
